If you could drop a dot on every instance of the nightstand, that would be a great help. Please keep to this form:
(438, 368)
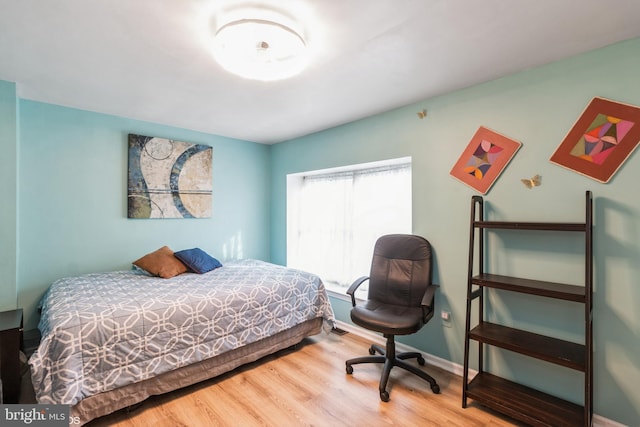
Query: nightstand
(10, 345)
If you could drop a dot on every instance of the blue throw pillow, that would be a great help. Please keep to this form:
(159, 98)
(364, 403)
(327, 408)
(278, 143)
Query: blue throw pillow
(197, 260)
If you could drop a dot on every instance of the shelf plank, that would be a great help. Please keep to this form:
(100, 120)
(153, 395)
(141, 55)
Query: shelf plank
(553, 350)
(539, 226)
(534, 287)
(523, 403)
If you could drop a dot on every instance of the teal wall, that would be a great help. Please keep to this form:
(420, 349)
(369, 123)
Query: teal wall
(8, 194)
(536, 107)
(73, 199)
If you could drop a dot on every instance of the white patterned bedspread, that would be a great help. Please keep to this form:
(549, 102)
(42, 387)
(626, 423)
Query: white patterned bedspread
(102, 331)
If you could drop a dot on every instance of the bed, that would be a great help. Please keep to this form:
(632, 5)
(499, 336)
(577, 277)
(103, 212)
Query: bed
(111, 340)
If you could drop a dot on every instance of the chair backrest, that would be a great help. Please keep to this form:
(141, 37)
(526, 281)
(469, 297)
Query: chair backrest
(400, 270)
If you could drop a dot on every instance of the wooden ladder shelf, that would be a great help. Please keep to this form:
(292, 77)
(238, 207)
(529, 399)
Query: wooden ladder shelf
(516, 400)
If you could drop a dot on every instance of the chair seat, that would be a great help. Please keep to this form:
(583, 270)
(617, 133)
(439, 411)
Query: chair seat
(387, 319)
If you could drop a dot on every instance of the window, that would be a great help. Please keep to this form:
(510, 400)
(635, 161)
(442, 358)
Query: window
(334, 217)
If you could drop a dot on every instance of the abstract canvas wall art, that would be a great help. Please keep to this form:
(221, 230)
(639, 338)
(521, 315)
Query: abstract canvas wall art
(600, 141)
(486, 155)
(168, 179)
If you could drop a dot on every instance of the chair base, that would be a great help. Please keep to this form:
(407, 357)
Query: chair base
(390, 359)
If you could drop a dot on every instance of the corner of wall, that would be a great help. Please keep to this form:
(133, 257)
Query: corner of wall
(8, 194)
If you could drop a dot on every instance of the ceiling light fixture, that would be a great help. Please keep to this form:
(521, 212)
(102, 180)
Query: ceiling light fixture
(259, 44)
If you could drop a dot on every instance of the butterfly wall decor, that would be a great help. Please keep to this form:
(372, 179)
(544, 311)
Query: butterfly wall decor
(536, 181)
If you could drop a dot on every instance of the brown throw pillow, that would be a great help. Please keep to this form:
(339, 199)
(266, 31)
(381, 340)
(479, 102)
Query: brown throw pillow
(161, 263)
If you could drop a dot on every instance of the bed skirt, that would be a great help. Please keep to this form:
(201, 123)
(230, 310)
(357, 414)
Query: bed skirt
(108, 402)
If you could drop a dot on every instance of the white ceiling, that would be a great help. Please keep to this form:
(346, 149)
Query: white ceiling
(150, 59)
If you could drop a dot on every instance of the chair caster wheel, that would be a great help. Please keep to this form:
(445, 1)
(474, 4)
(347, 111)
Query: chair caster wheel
(435, 388)
(421, 361)
(349, 369)
(372, 351)
(384, 396)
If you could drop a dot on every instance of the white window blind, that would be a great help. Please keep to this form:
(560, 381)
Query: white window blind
(335, 217)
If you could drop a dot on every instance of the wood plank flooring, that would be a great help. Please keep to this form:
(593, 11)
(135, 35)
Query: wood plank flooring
(308, 386)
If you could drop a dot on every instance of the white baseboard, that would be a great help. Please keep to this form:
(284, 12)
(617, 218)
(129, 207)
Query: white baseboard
(447, 365)
(599, 421)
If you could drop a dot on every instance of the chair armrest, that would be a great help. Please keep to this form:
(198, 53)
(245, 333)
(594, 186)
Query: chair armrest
(429, 297)
(355, 285)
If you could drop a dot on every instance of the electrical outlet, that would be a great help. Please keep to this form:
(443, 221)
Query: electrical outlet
(445, 315)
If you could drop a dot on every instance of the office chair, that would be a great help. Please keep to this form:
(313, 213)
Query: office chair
(400, 302)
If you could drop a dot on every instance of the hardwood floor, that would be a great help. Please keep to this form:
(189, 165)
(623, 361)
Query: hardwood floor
(309, 387)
